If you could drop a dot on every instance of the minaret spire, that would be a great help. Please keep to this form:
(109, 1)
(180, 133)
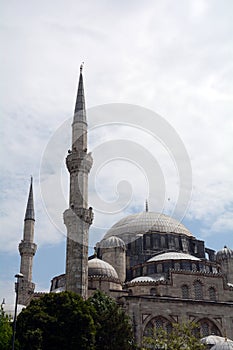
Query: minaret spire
(27, 250)
(78, 217)
(80, 100)
(30, 213)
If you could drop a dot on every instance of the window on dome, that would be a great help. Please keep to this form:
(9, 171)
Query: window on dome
(184, 245)
(186, 265)
(159, 268)
(147, 241)
(163, 242)
(194, 267)
(198, 290)
(151, 269)
(153, 291)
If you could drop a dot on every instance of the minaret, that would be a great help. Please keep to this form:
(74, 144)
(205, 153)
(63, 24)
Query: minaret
(27, 250)
(78, 217)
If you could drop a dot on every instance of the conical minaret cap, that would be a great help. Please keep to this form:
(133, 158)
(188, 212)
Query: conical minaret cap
(80, 109)
(30, 214)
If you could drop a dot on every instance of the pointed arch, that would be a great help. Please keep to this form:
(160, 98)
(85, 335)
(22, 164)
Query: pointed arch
(208, 327)
(157, 322)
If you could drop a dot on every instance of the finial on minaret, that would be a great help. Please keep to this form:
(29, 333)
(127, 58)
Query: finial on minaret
(146, 205)
(81, 67)
(30, 214)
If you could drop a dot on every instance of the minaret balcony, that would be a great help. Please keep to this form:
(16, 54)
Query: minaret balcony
(86, 215)
(27, 248)
(79, 161)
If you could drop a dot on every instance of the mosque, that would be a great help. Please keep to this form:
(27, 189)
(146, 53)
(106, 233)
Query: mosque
(150, 263)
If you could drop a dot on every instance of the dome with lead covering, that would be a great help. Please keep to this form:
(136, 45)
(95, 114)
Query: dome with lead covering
(226, 345)
(224, 253)
(130, 227)
(112, 242)
(173, 256)
(98, 267)
(146, 279)
(215, 339)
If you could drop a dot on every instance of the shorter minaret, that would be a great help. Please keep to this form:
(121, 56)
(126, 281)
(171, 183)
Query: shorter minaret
(27, 250)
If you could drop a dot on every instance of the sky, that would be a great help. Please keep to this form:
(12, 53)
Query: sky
(158, 85)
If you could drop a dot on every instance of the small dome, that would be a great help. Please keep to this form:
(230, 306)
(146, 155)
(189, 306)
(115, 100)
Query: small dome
(215, 339)
(146, 279)
(224, 253)
(226, 345)
(130, 226)
(173, 256)
(112, 242)
(97, 267)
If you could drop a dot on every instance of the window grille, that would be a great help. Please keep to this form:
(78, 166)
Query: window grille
(198, 292)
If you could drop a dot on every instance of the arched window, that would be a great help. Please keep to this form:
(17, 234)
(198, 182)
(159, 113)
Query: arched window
(157, 323)
(130, 292)
(207, 327)
(212, 294)
(198, 290)
(185, 291)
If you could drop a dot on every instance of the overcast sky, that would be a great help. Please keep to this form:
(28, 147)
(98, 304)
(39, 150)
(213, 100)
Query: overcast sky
(171, 61)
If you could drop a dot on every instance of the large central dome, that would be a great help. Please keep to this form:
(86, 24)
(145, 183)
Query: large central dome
(134, 225)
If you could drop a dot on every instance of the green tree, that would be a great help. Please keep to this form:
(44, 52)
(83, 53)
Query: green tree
(183, 336)
(56, 321)
(113, 326)
(5, 330)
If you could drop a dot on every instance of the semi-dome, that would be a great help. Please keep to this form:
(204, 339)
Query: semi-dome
(132, 225)
(173, 256)
(112, 242)
(224, 253)
(98, 267)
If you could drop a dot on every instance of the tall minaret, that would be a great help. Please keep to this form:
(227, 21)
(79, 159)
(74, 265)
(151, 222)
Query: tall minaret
(27, 250)
(78, 217)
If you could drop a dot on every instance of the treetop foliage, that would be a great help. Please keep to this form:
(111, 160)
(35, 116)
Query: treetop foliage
(65, 321)
(183, 336)
(5, 330)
